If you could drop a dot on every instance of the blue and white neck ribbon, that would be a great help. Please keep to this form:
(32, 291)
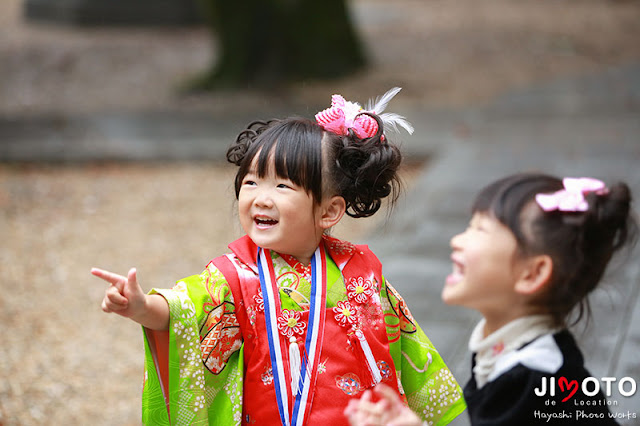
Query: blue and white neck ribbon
(302, 394)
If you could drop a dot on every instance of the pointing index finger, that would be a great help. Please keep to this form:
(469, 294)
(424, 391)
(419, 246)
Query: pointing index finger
(110, 277)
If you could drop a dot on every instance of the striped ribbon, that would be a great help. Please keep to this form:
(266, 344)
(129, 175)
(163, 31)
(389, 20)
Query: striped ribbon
(313, 339)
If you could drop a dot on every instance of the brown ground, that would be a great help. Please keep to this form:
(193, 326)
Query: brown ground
(63, 361)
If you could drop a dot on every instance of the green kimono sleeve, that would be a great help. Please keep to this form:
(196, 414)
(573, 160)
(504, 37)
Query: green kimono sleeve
(195, 395)
(431, 390)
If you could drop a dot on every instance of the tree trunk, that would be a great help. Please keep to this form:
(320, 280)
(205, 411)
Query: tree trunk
(268, 42)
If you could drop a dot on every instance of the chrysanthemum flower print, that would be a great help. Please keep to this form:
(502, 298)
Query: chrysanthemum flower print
(360, 290)
(290, 323)
(259, 301)
(345, 313)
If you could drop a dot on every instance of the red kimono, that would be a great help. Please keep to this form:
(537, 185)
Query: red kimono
(364, 335)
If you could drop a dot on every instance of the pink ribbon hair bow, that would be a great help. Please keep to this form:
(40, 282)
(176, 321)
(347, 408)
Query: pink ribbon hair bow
(344, 115)
(571, 198)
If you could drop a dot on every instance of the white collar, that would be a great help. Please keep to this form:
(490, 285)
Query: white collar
(508, 339)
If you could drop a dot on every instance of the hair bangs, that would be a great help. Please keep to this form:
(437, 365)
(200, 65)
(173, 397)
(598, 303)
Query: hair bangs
(295, 153)
(507, 198)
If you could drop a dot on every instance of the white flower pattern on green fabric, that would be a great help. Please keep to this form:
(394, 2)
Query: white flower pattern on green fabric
(191, 399)
(436, 396)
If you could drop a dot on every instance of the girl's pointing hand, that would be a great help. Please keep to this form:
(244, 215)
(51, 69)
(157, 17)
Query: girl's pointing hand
(124, 296)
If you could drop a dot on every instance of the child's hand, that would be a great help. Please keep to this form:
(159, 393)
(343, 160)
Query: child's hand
(363, 412)
(398, 414)
(389, 410)
(124, 296)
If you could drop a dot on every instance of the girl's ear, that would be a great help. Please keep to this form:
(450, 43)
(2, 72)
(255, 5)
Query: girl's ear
(332, 211)
(535, 275)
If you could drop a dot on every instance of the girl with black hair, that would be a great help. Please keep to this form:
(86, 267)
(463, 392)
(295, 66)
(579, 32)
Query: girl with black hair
(293, 323)
(535, 248)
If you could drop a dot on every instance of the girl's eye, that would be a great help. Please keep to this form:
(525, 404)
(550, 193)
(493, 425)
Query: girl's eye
(248, 182)
(478, 227)
(287, 184)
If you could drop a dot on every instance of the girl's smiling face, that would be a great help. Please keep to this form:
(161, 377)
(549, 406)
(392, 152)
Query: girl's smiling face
(485, 268)
(279, 215)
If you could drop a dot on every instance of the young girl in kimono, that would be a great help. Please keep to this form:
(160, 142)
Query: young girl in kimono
(293, 323)
(535, 248)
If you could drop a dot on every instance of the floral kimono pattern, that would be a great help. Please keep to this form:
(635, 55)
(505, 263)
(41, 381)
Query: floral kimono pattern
(204, 352)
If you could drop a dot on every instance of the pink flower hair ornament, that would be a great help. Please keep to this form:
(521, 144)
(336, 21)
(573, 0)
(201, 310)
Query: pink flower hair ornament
(344, 115)
(571, 198)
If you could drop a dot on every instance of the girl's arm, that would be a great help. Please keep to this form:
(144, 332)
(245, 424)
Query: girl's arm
(126, 298)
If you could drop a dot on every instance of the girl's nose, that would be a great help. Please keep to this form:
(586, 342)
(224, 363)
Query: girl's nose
(263, 198)
(456, 241)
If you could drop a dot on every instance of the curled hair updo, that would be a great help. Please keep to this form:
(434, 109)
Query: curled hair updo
(580, 244)
(362, 171)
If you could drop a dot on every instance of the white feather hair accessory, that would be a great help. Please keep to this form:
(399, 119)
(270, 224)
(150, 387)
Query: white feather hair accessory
(389, 119)
(343, 116)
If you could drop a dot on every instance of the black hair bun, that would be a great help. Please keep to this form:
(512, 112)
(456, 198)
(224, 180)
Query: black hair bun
(238, 149)
(367, 171)
(608, 219)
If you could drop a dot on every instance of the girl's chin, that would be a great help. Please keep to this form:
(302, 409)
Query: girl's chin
(451, 293)
(445, 295)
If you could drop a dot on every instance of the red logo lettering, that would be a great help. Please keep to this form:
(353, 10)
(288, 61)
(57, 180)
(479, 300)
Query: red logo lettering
(570, 386)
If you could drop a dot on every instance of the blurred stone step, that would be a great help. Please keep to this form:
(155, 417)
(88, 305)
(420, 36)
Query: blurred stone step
(114, 12)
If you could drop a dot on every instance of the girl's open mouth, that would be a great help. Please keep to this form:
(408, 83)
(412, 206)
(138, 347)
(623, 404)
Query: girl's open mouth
(456, 274)
(265, 222)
